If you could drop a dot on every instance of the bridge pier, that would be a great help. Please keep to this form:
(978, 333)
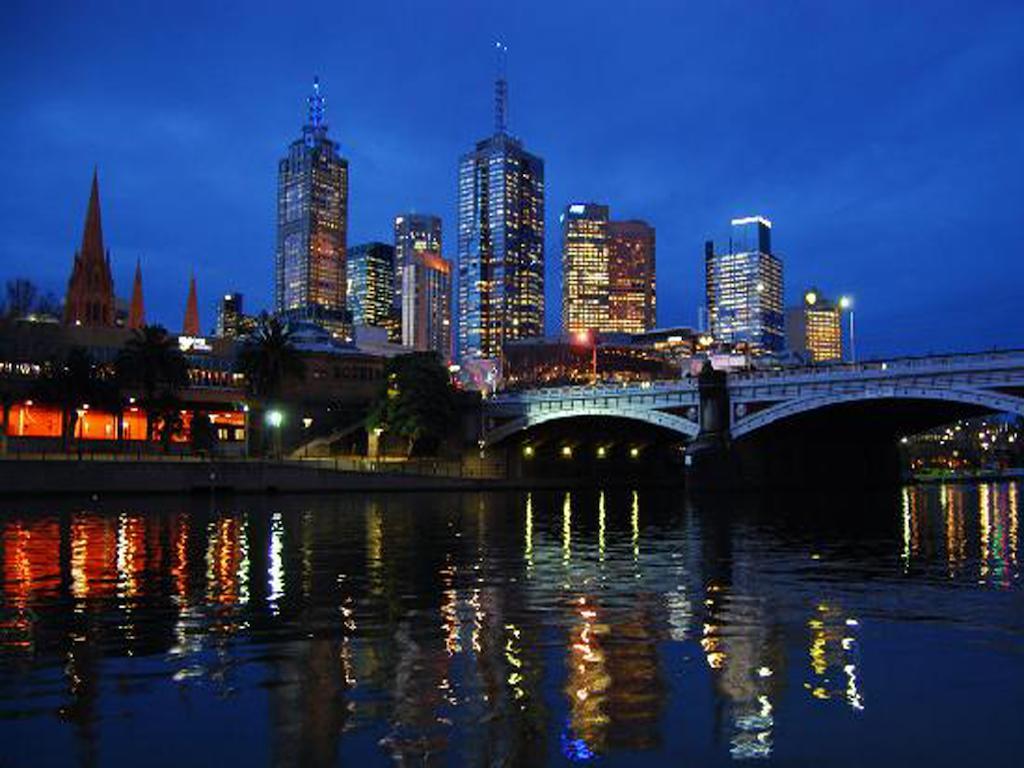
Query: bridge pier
(709, 459)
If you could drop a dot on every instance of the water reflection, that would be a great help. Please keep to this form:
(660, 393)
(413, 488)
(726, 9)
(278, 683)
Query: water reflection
(512, 629)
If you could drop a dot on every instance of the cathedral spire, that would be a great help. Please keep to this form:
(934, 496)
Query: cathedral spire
(137, 311)
(92, 235)
(191, 326)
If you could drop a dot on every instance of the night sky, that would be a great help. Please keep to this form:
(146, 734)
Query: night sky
(883, 139)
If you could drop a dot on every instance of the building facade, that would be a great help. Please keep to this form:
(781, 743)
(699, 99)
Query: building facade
(371, 284)
(632, 282)
(90, 296)
(500, 242)
(585, 250)
(815, 327)
(232, 322)
(414, 233)
(426, 304)
(744, 289)
(312, 226)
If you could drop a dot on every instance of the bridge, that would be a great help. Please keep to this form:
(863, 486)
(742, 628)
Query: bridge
(865, 403)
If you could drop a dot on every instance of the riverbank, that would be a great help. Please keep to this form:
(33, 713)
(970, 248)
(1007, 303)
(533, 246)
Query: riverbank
(70, 476)
(979, 476)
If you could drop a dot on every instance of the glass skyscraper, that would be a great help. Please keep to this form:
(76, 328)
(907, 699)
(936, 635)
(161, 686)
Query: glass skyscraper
(414, 233)
(312, 224)
(815, 327)
(744, 288)
(584, 267)
(632, 284)
(501, 241)
(370, 293)
(426, 304)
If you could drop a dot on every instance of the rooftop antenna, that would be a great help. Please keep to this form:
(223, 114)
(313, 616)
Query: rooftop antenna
(316, 127)
(500, 89)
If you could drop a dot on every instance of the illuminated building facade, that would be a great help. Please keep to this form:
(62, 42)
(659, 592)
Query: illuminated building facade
(501, 241)
(371, 283)
(90, 296)
(426, 304)
(632, 295)
(585, 289)
(414, 233)
(815, 327)
(232, 322)
(744, 288)
(312, 224)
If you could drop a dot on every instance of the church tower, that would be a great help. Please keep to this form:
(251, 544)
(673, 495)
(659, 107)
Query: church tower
(90, 296)
(191, 324)
(137, 312)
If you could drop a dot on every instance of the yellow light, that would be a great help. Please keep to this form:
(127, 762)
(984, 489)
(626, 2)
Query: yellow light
(811, 298)
(634, 452)
(601, 452)
(567, 451)
(528, 451)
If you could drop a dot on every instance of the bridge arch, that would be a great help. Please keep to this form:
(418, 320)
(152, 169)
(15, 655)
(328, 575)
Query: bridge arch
(984, 400)
(677, 424)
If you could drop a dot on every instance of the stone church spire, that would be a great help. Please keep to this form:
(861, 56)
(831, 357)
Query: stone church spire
(191, 326)
(137, 312)
(90, 296)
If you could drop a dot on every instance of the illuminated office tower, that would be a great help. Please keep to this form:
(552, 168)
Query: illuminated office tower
(414, 233)
(585, 286)
(632, 298)
(371, 283)
(426, 303)
(312, 222)
(501, 240)
(230, 316)
(815, 327)
(744, 288)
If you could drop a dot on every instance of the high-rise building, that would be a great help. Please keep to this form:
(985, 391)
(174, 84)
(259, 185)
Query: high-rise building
(312, 225)
(426, 304)
(231, 319)
(608, 278)
(414, 233)
(744, 288)
(371, 283)
(501, 240)
(815, 327)
(90, 296)
(632, 284)
(585, 294)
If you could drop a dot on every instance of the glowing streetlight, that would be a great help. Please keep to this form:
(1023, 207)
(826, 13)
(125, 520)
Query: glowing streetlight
(566, 451)
(585, 339)
(846, 305)
(275, 419)
(527, 451)
(811, 297)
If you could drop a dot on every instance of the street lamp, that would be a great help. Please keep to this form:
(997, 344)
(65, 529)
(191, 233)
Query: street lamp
(846, 304)
(275, 419)
(585, 338)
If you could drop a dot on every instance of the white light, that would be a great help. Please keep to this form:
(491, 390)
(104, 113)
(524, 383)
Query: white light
(752, 220)
(577, 208)
(275, 418)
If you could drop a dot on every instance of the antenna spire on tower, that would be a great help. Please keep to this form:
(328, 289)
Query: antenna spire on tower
(500, 89)
(316, 102)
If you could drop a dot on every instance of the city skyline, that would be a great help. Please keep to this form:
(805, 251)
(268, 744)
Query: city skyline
(866, 212)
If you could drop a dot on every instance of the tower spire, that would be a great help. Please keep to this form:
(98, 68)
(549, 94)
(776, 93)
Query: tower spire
(191, 325)
(137, 311)
(315, 127)
(92, 235)
(500, 89)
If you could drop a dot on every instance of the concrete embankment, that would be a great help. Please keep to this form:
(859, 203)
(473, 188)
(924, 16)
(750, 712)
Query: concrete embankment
(30, 476)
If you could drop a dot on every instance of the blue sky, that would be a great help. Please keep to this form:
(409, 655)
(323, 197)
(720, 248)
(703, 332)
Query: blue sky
(883, 139)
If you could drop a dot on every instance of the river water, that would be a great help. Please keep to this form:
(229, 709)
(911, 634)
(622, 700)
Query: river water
(614, 628)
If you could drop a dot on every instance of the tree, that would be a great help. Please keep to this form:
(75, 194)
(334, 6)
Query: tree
(268, 360)
(416, 401)
(71, 382)
(151, 362)
(20, 297)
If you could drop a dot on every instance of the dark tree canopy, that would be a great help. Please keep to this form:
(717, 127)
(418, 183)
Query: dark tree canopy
(269, 359)
(416, 401)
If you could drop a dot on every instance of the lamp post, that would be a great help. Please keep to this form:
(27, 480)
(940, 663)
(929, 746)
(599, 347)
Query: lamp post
(846, 303)
(589, 337)
(274, 420)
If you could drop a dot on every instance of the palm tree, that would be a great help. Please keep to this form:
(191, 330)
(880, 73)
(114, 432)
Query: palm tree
(268, 359)
(151, 362)
(71, 383)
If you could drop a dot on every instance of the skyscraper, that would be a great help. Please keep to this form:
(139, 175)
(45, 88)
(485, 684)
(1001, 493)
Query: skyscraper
(231, 319)
(501, 240)
(312, 225)
(90, 296)
(585, 267)
(371, 284)
(426, 304)
(815, 327)
(744, 288)
(414, 233)
(632, 282)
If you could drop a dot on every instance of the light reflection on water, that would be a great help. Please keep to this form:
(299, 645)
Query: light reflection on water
(620, 627)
